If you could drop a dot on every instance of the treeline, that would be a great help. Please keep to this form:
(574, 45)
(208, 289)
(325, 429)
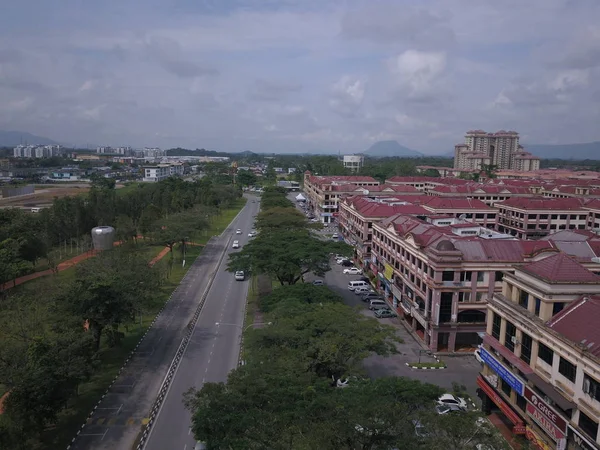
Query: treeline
(302, 386)
(137, 210)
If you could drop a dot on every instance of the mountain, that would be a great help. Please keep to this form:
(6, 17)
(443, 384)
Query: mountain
(12, 138)
(589, 150)
(383, 149)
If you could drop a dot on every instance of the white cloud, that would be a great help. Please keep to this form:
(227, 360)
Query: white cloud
(347, 95)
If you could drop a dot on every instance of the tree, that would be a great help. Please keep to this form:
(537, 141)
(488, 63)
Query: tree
(431, 173)
(489, 170)
(299, 294)
(281, 218)
(287, 256)
(246, 178)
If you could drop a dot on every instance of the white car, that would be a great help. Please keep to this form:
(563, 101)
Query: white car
(341, 259)
(334, 236)
(477, 354)
(353, 271)
(236, 244)
(252, 233)
(238, 231)
(240, 275)
(452, 401)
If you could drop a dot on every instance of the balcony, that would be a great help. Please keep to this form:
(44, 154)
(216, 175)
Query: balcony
(323, 206)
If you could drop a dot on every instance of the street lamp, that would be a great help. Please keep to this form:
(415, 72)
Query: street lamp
(240, 327)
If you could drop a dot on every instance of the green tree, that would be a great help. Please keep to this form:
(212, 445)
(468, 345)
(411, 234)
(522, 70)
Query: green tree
(431, 173)
(300, 293)
(246, 178)
(281, 218)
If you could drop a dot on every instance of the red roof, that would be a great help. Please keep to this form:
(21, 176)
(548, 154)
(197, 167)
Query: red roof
(543, 203)
(485, 188)
(376, 209)
(456, 203)
(435, 180)
(578, 322)
(561, 269)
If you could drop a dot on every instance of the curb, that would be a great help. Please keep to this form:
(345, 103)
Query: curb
(425, 368)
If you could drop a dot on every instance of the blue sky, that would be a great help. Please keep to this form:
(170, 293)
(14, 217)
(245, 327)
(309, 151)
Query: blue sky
(292, 75)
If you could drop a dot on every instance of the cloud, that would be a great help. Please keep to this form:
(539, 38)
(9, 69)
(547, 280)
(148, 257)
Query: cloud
(269, 90)
(347, 96)
(167, 52)
(417, 73)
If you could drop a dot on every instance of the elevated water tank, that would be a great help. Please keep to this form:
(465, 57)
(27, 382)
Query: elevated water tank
(103, 237)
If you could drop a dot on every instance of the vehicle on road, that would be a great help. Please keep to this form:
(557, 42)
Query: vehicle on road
(477, 354)
(238, 231)
(200, 446)
(334, 236)
(363, 290)
(449, 399)
(236, 244)
(356, 283)
(347, 263)
(378, 304)
(252, 233)
(385, 313)
(240, 275)
(420, 429)
(353, 271)
(318, 283)
(341, 259)
(370, 296)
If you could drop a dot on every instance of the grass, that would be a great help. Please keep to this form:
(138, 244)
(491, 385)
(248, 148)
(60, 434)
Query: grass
(219, 222)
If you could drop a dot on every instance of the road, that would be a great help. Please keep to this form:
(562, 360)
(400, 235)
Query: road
(213, 350)
(117, 420)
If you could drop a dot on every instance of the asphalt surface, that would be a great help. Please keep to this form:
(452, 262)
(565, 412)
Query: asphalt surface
(117, 420)
(213, 350)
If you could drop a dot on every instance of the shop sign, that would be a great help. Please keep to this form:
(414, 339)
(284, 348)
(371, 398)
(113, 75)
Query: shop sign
(504, 407)
(536, 440)
(547, 413)
(503, 371)
(544, 423)
(388, 271)
(581, 442)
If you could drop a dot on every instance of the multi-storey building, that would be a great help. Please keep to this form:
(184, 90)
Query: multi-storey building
(353, 162)
(500, 149)
(439, 277)
(160, 172)
(426, 184)
(489, 194)
(541, 353)
(532, 218)
(469, 209)
(36, 151)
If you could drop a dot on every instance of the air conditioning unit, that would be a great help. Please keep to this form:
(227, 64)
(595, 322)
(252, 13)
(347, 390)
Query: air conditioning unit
(514, 340)
(586, 386)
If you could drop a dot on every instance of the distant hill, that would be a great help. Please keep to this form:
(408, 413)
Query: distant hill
(590, 150)
(12, 138)
(383, 149)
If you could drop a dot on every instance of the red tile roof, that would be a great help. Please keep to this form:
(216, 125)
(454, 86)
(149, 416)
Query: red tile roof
(484, 188)
(456, 203)
(578, 322)
(383, 209)
(543, 204)
(561, 269)
(435, 180)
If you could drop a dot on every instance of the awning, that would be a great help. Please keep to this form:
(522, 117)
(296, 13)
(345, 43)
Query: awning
(549, 390)
(519, 426)
(510, 356)
(300, 197)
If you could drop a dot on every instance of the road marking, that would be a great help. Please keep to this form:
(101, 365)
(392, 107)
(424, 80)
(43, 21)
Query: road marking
(203, 379)
(206, 371)
(185, 446)
(189, 431)
(104, 434)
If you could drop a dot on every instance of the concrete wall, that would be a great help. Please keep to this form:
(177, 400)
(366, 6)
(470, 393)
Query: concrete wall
(15, 191)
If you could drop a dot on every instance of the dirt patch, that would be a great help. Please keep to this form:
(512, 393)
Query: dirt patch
(44, 196)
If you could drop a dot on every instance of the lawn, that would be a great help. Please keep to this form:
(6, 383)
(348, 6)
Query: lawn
(219, 222)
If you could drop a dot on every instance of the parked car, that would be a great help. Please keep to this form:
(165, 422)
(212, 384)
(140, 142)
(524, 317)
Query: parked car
(477, 354)
(371, 296)
(353, 271)
(445, 409)
(236, 244)
(238, 231)
(449, 399)
(347, 263)
(318, 283)
(385, 313)
(240, 275)
(363, 290)
(341, 259)
(334, 236)
(252, 233)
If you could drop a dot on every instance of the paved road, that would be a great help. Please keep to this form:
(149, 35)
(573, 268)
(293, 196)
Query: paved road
(213, 350)
(117, 421)
(461, 369)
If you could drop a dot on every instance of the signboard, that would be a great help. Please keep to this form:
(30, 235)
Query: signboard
(504, 407)
(581, 442)
(541, 419)
(547, 413)
(536, 440)
(502, 371)
(388, 271)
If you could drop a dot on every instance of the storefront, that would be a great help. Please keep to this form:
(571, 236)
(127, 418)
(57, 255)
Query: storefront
(549, 420)
(505, 408)
(578, 441)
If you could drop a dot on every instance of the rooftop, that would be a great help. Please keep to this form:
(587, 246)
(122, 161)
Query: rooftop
(578, 322)
(561, 269)
(544, 204)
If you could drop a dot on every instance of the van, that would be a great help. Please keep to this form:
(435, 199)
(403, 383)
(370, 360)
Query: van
(354, 284)
(376, 304)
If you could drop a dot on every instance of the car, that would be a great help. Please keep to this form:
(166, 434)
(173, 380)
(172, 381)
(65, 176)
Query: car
(341, 260)
(236, 244)
(445, 409)
(363, 290)
(347, 263)
(384, 313)
(371, 296)
(334, 236)
(449, 399)
(477, 354)
(200, 446)
(318, 283)
(240, 275)
(353, 271)
(252, 233)
(238, 231)
(420, 430)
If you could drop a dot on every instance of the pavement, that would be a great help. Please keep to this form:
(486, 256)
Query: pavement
(213, 350)
(462, 369)
(116, 422)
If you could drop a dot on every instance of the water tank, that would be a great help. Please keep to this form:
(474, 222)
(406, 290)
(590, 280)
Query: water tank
(103, 237)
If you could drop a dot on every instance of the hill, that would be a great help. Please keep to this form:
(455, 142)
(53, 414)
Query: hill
(12, 138)
(589, 150)
(384, 149)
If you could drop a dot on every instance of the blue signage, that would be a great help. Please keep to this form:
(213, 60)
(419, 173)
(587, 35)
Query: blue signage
(502, 371)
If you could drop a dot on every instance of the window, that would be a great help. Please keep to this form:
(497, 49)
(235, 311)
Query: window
(524, 299)
(543, 216)
(591, 387)
(464, 297)
(496, 323)
(545, 354)
(588, 425)
(526, 344)
(447, 275)
(521, 403)
(557, 307)
(567, 370)
(465, 276)
(480, 276)
(505, 387)
(509, 335)
(538, 304)
(498, 276)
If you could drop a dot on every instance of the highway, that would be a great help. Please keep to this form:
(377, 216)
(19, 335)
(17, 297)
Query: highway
(117, 420)
(213, 350)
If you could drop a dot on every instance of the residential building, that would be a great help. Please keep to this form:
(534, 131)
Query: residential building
(488, 193)
(541, 353)
(426, 184)
(439, 277)
(160, 172)
(532, 218)
(353, 162)
(500, 149)
(467, 209)
(36, 151)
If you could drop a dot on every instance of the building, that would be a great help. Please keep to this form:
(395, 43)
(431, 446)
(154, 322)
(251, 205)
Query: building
(500, 149)
(426, 184)
(532, 218)
(353, 162)
(161, 172)
(36, 151)
(489, 194)
(541, 353)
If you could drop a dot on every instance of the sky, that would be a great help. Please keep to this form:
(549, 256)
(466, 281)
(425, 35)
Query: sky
(299, 75)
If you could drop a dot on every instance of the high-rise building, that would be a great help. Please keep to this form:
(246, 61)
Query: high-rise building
(500, 149)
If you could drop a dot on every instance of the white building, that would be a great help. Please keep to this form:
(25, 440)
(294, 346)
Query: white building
(161, 172)
(353, 162)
